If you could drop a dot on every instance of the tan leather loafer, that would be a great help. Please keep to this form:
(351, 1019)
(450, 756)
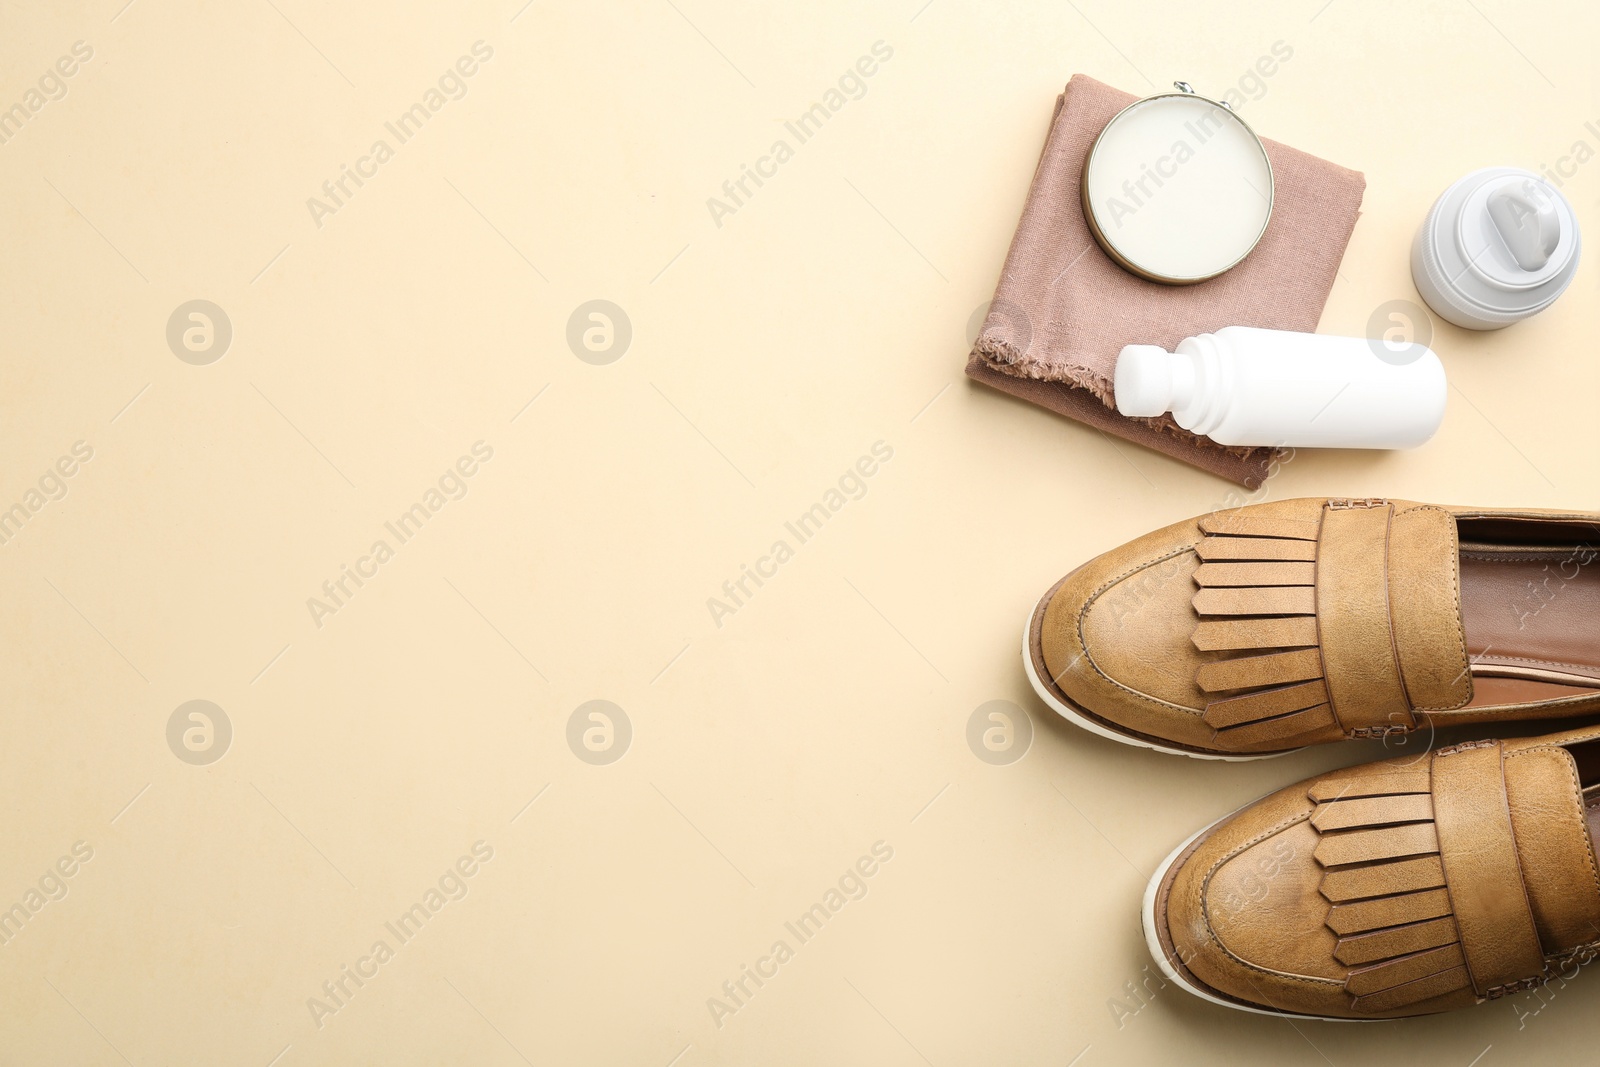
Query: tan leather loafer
(1266, 628)
(1404, 887)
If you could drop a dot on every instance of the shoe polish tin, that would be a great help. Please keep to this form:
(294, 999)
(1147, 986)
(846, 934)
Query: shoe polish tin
(1177, 188)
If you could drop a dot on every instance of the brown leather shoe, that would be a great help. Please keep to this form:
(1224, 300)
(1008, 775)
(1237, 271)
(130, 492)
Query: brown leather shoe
(1397, 888)
(1266, 628)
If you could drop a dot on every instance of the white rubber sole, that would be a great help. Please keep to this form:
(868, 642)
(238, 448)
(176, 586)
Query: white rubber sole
(1147, 920)
(1067, 711)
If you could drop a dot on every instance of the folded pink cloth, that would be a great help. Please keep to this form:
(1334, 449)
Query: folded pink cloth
(1063, 309)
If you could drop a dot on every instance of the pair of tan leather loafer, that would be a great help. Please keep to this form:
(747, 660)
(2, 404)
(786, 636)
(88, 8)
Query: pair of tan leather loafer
(1443, 878)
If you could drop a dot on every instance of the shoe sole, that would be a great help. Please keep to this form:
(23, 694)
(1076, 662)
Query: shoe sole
(1033, 659)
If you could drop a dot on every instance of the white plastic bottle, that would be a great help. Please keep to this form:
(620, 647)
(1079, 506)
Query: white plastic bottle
(1247, 386)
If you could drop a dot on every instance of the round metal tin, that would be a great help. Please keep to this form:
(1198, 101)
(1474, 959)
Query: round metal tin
(1177, 188)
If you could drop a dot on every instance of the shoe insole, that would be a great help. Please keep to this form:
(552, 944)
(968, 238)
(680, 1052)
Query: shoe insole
(1591, 813)
(1584, 761)
(1532, 622)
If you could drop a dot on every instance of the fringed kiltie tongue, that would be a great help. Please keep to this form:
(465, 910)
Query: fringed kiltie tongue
(1347, 624)
(1257, 599)
(1463, 870)
(1385, 887)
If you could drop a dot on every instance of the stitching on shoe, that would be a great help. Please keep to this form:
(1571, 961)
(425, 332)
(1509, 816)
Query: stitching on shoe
(1531, 659)
(1516, 557)
(1465, 746)
(1205, 915)
(1591, 733)
(1455, 593)
(1581, 955)
(1527, 711)
(1083, 643)
(1583, 805)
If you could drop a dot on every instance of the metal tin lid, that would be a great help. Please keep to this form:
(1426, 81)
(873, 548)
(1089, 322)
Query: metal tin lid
(1177, 188)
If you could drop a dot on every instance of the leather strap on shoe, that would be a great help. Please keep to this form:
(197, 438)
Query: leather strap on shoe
(1351, 623)
(1554, 846)
(1481, 868)
(1468, 869)
(1359, 662)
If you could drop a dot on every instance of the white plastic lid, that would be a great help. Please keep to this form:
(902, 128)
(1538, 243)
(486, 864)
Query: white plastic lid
(1498, 246)
(1142, 383)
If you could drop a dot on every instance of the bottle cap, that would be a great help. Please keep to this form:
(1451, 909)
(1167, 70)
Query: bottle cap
(1142, 383)
(1498, 246)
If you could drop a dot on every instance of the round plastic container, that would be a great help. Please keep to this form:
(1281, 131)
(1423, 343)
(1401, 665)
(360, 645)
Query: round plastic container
(1497, 247)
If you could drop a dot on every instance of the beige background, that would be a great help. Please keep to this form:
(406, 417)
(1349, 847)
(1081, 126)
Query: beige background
(768, 353)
